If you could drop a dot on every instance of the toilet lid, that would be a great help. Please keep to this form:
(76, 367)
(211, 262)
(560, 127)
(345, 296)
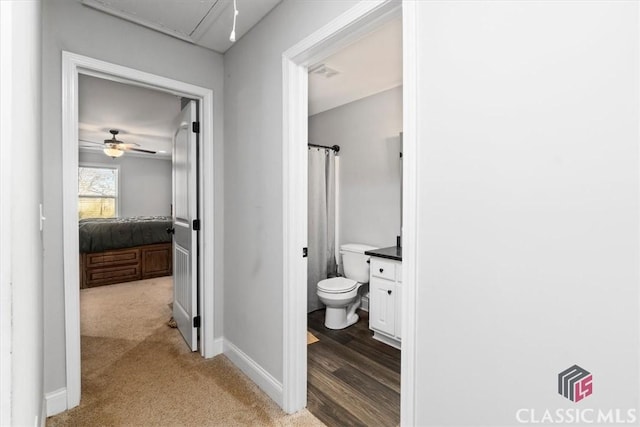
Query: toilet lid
(337, 285)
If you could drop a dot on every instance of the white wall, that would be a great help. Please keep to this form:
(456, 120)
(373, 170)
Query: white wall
(253, 176)
(368, 133)
(527, 207)
(67, 25)
(145, 184)
(21, 321)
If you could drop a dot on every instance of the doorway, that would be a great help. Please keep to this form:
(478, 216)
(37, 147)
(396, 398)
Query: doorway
(348, 27)
(355, 108)
(74, 66)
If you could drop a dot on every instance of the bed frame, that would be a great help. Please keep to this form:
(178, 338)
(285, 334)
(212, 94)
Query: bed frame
(125, 265)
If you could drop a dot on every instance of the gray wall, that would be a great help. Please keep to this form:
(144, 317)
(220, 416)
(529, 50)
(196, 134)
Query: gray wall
(367, 132)
(67, 25)
(253, 176)
(145, 184)
(527, 238)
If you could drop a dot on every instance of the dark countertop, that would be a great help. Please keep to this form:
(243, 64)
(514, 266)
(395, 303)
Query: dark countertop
(392, 252)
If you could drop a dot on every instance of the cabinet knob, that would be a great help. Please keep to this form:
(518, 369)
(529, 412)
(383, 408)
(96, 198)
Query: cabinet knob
(389, 291)
(381, 270)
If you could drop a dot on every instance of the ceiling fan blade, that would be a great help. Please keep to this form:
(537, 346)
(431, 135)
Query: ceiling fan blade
(141, 150)
(128, 144)
(91, 142)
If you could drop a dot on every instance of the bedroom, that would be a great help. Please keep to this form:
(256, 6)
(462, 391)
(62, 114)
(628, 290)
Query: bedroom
(133, 185)
(125, 186)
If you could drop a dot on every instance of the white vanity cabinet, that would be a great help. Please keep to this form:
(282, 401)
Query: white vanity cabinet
(385, 299)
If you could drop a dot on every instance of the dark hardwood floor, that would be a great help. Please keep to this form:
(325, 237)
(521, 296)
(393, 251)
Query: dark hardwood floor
(352, 379)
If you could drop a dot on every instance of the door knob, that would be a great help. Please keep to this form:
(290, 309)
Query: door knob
(381, 270)
(389, 291)
(171, 230)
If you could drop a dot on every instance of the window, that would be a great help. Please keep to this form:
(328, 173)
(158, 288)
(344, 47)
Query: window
(97, 192)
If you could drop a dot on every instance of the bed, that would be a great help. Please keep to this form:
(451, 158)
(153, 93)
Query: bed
(115, 250)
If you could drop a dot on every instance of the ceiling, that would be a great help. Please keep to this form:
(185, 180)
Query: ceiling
(143, 116)
(206, 23)
(368, 66)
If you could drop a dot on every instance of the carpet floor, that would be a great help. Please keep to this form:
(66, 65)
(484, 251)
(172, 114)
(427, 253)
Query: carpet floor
(137, 371)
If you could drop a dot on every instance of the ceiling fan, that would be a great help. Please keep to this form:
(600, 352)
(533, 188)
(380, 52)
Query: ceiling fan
(116, 148)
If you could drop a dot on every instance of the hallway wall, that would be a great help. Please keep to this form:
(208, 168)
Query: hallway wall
(528, 213)
(253, 175)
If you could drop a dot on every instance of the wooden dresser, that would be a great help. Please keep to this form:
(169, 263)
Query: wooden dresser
(125, 265)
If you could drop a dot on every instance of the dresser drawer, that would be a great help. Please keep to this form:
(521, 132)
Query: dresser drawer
(111, 258)
(383, 269)
(103, 275)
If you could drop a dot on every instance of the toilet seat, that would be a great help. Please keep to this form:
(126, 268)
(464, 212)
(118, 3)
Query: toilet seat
(337, 285)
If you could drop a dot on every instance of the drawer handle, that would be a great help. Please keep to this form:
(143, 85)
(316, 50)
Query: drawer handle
(381, 270)
(389, 291)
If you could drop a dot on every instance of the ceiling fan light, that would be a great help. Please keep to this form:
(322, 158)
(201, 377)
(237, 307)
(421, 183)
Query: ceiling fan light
(113, 152)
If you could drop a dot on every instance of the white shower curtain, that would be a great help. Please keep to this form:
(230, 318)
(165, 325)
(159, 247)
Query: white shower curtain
(321, 224)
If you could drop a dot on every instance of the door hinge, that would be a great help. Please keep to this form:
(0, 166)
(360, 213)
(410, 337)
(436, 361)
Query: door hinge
(305, 252)
(196, 225)
(196, 322)
(195, 127)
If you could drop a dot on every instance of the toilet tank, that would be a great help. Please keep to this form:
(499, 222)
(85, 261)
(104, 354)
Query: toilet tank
(354, 261)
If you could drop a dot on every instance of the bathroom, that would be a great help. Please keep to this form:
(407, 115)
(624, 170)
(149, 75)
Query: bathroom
(355, 211)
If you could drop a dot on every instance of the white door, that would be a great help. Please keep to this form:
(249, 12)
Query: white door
(382, 305)
(185, 238)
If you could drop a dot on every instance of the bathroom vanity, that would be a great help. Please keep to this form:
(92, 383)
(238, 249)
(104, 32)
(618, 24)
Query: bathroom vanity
(385, 295)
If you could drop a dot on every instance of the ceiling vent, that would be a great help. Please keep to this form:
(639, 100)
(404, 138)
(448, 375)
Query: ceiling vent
(323, 70)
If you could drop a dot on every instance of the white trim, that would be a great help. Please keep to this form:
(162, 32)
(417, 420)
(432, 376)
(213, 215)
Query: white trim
(6, 109)
(409, 212)
(295, 164)
(72, 66)
(345, 29)
(254, 371)
(218, 346)
(364, 302)
(56, 401)
(387, 340)
(43, 413)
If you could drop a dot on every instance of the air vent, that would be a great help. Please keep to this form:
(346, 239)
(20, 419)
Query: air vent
(323, 70)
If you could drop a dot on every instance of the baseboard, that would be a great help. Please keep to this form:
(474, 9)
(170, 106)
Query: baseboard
(257, 373)
(56, 401)
(387, 340)
(364, 304)
(43, 413)
(217, 347)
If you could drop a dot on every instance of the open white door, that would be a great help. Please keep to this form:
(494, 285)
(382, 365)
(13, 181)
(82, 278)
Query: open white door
(185, 239)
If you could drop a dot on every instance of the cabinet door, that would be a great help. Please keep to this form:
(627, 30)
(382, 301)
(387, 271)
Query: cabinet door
(398, 310)
(382, 296)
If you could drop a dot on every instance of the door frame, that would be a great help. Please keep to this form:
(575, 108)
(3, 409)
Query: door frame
(345, 29)
(73, 65)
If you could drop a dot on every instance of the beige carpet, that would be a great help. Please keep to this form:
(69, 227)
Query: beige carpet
(137, 371)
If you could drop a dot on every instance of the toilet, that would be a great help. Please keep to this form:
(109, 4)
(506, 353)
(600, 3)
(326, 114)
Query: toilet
(340, 294)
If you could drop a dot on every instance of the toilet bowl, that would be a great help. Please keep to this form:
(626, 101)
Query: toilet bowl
(340, 294)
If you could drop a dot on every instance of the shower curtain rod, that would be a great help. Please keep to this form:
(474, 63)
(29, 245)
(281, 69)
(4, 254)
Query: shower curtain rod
(335, 148)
